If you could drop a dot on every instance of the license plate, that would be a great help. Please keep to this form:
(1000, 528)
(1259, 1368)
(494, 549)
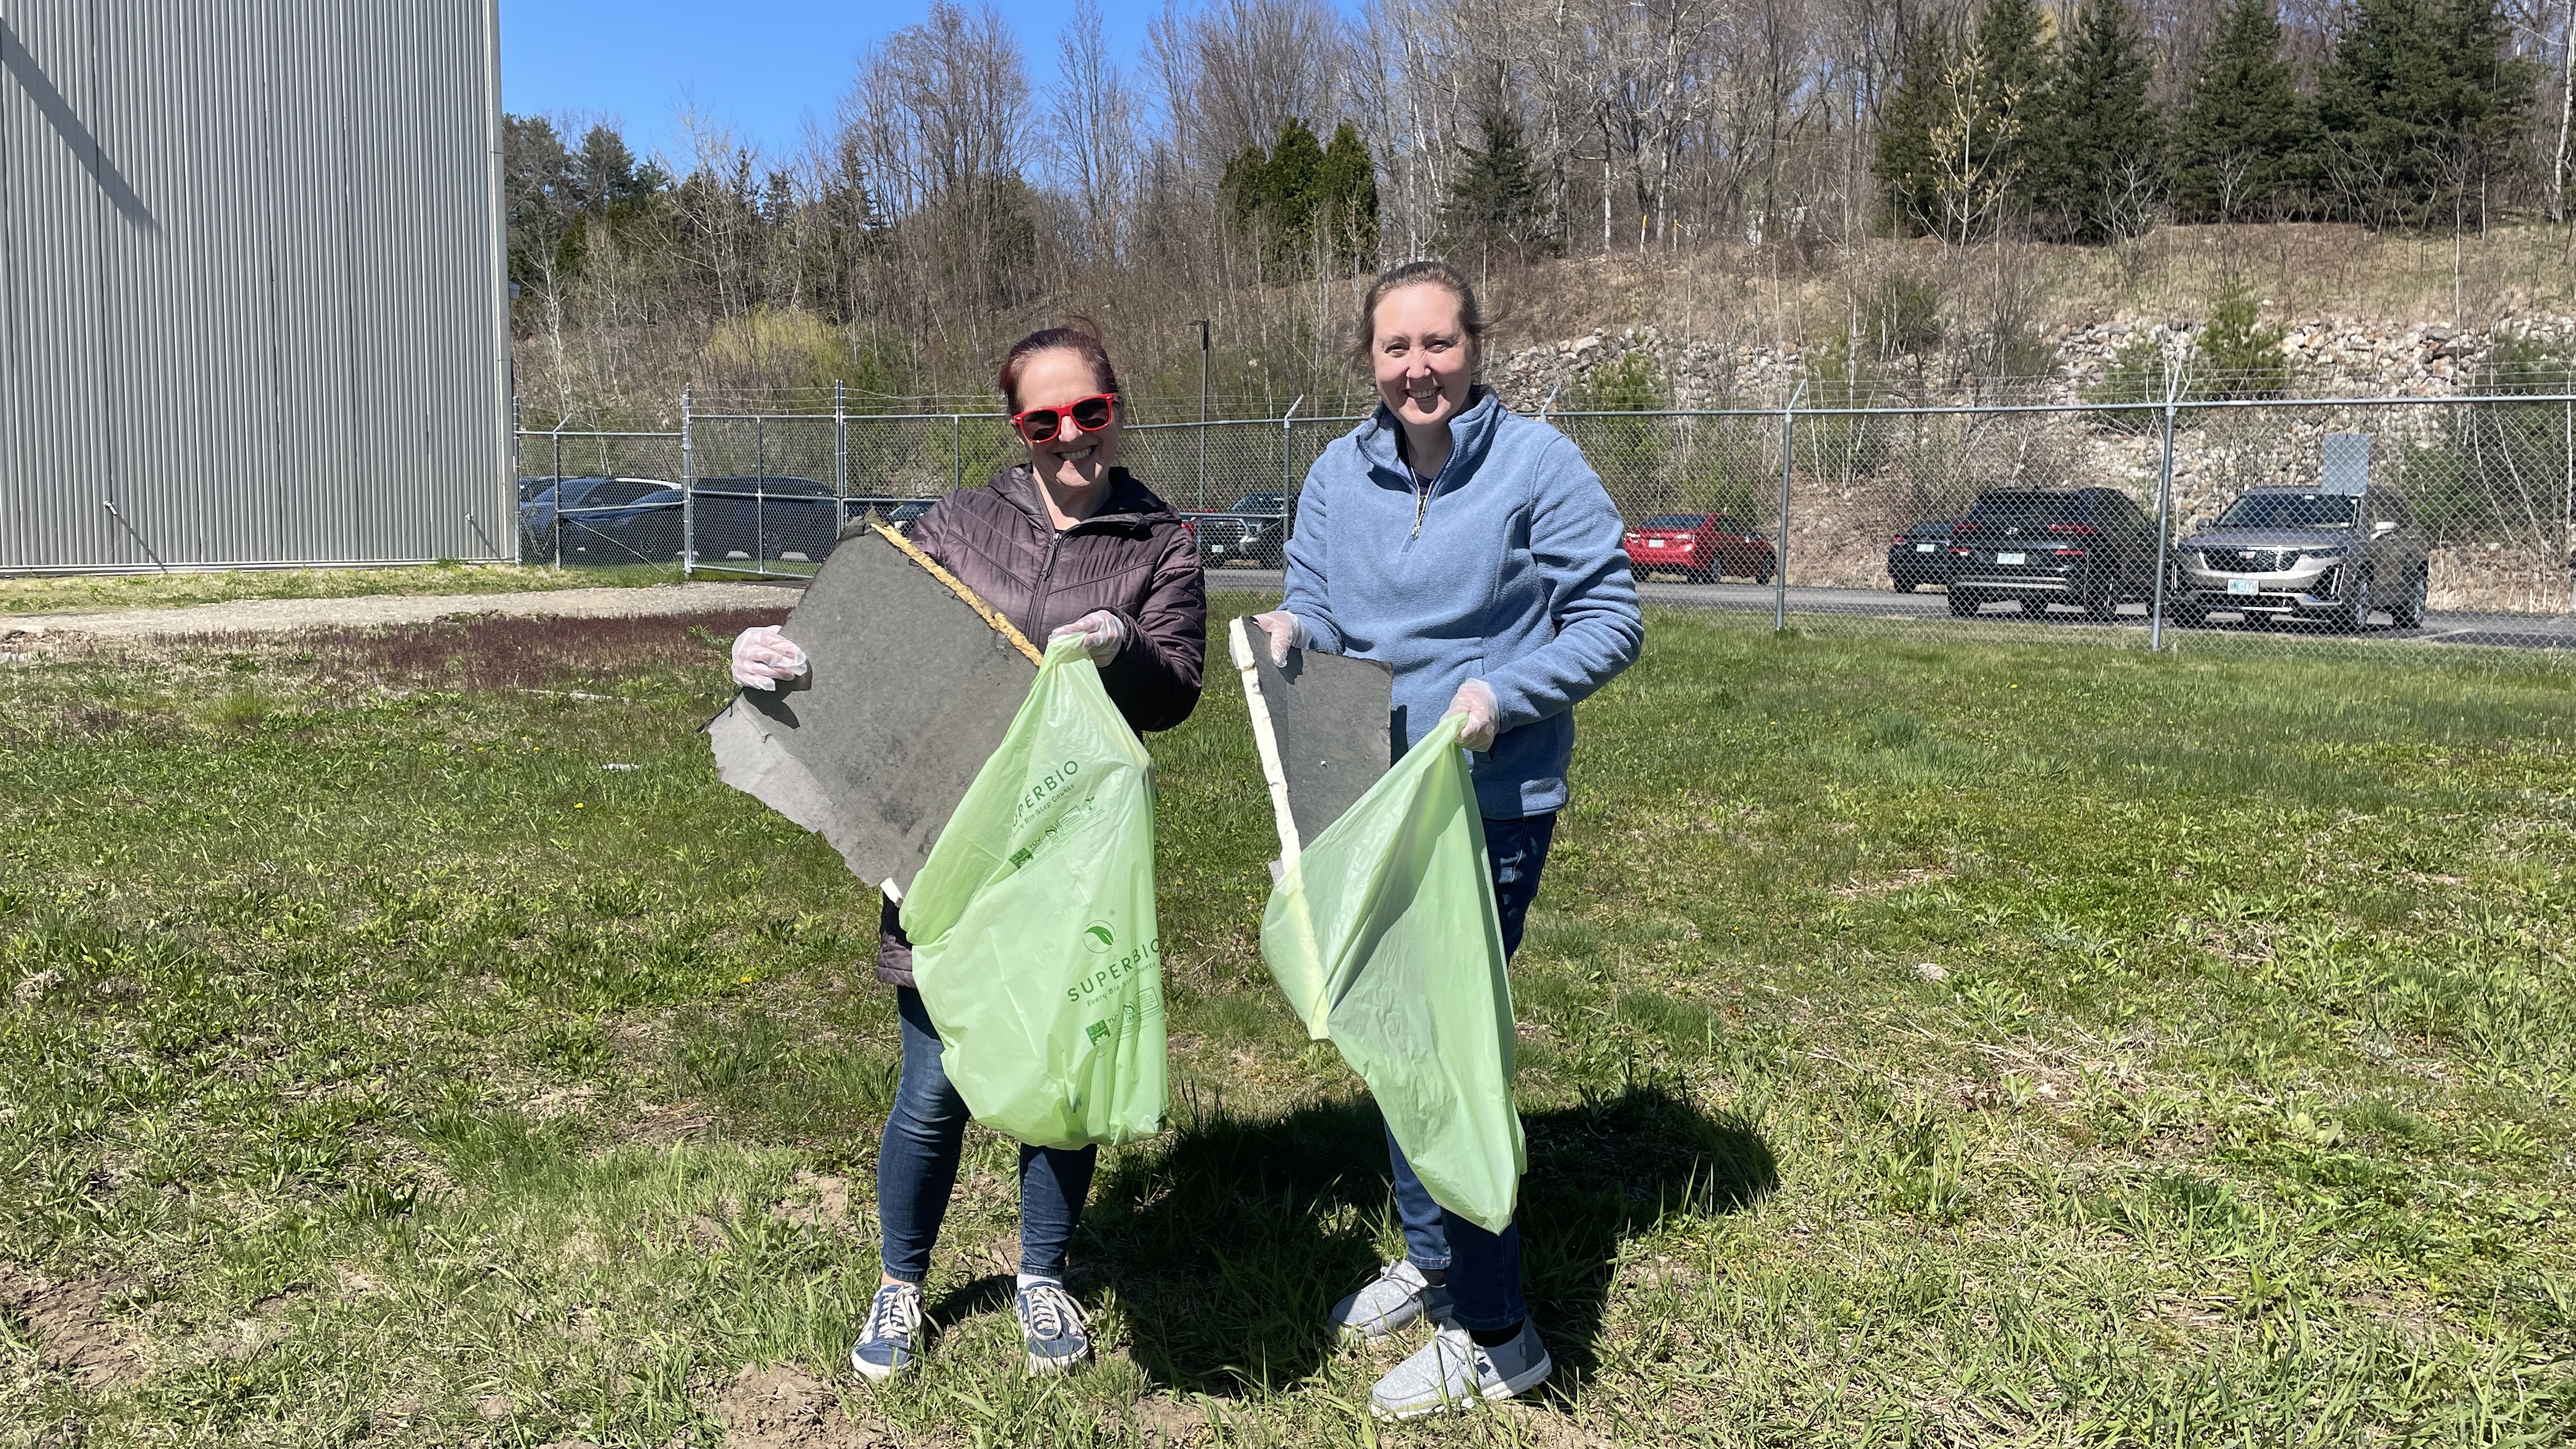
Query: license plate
(1923, 548)
(2244, 586)
(2009, 558)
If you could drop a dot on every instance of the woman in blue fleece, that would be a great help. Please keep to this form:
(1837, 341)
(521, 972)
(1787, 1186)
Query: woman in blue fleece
(1474, 550)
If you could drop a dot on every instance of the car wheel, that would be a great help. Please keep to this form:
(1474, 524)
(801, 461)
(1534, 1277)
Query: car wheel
(2355, 615)
(1763, 574)
(1964, 605)
(1905, 585)
(2409, 611)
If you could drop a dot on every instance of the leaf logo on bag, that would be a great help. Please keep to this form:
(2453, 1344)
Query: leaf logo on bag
(1051, 1031)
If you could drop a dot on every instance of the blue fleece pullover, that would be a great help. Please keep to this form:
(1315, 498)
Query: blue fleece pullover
(1515, 576)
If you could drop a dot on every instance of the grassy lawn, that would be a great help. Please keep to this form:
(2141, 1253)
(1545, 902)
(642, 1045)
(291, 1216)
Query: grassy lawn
(411, 1042)
(97, 593)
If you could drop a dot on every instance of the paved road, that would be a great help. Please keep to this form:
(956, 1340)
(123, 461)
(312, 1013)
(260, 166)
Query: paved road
(2510, 631)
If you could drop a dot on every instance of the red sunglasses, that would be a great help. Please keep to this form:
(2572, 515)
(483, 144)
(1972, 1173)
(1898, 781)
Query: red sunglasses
(1090, 414)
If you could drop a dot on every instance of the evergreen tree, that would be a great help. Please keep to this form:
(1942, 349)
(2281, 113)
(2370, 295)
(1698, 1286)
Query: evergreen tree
(1301, 191)
(2096, 158)
(2006, 104)
(2419, 109)
(2243, 129)
(604, 172)
(1907, 171)
(1347, 193)
(1495, 205)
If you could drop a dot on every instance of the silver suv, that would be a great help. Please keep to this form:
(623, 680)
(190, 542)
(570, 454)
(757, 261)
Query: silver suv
(2291, 553)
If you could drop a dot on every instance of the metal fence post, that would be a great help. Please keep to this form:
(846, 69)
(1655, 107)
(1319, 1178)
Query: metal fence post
(1286, 454)
(840, 457)
(957, 443)
(688, 493)
(1780, 553)
(557, 529)
(2164, 526)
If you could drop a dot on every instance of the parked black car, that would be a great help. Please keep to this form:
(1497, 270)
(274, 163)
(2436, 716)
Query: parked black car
(1920, 555)
(601, 520)
(2086, 546)
(766, 517)
(1255, 530)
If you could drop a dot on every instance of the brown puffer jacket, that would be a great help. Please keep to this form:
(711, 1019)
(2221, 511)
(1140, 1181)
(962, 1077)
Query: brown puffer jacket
(1133, 557)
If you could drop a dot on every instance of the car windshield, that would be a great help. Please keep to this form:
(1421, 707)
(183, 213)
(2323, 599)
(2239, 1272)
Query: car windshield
(1662, 521)
(1260, 503)
(2289, 510)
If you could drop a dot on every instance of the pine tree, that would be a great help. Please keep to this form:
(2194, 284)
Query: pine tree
(2419, 109)
(1907, 171)
(2096, 158)
(604, 172)
(1301, 191)
(1347, 194)
(2244, 129)
(2012, 66)
(1495, 205)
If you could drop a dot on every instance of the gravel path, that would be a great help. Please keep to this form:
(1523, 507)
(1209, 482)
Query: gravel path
(279, 615)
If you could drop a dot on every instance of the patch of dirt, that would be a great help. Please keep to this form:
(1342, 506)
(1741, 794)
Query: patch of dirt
(267, 616)
(783, 1407)
(70, 1323)
(829, 1208)
(659, 1125)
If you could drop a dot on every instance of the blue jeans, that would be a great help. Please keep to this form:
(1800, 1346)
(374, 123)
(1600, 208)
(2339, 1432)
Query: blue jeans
(917, 1166)
(1484, 1269)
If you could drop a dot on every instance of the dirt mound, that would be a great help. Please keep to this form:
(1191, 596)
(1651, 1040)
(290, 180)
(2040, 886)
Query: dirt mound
(70, 1323)
(783, 1407)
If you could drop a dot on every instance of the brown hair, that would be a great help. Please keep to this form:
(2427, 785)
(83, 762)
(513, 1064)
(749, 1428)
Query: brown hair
(1078, 335)
(1408, 274)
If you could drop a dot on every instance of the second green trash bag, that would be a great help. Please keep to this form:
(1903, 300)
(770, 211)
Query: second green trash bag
(1384, 935)
(1034, 943)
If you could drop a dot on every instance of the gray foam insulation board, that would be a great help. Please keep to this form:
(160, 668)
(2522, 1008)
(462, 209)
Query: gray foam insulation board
(907, 692)
(1324, 724)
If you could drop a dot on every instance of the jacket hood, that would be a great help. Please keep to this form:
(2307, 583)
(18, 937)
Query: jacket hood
(1471, 433)
(1130, 504)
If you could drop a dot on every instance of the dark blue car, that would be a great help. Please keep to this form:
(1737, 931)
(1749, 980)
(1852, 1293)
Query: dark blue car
(599, 520)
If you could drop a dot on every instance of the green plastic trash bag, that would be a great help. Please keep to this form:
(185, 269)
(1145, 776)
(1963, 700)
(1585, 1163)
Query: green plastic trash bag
(1032, 923)
(1384, 935)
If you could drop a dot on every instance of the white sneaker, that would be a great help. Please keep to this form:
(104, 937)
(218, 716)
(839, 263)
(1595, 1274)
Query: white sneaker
(1452, 1371)
(1398, 1295)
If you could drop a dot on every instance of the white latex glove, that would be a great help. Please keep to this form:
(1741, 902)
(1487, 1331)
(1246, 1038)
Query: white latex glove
(1101, 631)
(1475, 699)
(762, 656)
(1286, 632)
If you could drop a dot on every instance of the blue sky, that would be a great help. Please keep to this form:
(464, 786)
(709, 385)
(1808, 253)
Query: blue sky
(757, 66)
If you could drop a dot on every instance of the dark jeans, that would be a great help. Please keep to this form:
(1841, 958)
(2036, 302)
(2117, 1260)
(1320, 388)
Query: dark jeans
(917, 1166)
(1484, 1269)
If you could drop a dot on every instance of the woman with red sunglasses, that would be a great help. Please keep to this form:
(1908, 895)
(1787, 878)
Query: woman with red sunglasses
(1066, 543)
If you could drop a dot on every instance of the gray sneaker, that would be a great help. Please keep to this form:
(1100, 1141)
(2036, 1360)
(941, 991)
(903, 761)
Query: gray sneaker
(1451, 1372)
(892, 1337)
(1398, 1295)
(1052, 1327)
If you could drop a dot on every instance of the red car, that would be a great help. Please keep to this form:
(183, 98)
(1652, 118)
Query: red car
(1701, 547)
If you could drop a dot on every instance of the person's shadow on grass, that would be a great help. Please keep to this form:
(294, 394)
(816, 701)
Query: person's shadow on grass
(1229, 1245)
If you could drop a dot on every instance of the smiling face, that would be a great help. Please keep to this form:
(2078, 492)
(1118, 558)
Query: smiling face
(1073, 458)
(1424, 360)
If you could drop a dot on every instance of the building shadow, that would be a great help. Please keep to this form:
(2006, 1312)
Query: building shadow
(1228, 1246)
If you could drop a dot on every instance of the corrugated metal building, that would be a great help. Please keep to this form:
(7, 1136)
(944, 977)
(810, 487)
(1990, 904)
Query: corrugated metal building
(251, 286)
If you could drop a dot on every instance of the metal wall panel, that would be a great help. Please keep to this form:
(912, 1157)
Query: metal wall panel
(250, 283)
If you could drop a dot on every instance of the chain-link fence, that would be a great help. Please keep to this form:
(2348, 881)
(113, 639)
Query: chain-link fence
(2448, 519)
